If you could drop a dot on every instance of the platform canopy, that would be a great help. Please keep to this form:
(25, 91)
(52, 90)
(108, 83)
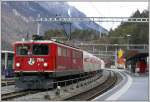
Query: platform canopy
(138, 56)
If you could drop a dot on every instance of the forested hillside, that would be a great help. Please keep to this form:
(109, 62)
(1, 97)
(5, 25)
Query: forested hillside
(78, 34)
(139, 31)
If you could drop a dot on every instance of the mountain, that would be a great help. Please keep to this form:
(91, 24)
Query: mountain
(16, 19)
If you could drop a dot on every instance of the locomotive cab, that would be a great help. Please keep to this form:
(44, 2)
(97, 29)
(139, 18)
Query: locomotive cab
(33, 62)
(32, 57)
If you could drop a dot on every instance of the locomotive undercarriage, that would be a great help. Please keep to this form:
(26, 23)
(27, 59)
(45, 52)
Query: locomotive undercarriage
(34, 82)
(46, 80)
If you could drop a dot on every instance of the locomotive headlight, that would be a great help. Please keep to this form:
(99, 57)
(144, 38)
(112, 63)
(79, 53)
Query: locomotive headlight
(17, 64)
(45, 64)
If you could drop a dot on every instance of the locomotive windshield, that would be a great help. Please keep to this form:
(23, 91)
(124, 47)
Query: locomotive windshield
(34, 49)
(23, 50)
(40, 49)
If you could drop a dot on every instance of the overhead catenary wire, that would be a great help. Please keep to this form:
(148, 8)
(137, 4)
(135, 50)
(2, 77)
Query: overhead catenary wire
(100, 14)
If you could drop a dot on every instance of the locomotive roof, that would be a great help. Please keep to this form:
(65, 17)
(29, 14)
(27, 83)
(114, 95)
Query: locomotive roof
(36, 41)
(47, 41)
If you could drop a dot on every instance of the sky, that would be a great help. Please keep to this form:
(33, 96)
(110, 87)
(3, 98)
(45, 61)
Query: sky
(109, 9)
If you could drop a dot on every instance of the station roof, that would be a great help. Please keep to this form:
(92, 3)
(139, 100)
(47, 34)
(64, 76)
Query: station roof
(5, 51)
(138, 56)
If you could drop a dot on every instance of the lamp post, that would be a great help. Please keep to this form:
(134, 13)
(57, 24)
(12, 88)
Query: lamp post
(116, 57)
(128, 36)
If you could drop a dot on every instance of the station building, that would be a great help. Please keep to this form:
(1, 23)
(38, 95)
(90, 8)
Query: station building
(137, 61)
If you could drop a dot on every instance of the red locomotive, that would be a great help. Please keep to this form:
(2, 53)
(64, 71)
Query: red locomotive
(38, 63)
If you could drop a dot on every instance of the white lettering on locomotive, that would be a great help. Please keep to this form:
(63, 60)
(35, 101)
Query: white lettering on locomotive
(40, 59)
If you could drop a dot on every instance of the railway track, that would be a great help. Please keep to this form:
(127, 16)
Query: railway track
(88, 95)
(96, 91)
(19, 93)
(6, 83)
(9, 96)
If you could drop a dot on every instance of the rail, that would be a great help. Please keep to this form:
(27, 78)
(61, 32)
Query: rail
(9, 96)
(64, 83)
(92, 86)
(92, 93)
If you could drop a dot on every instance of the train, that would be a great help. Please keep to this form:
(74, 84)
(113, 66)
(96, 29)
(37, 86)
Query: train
(39, 63)
(7, 64)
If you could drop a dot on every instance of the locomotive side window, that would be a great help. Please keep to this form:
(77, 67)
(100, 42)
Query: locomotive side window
(59, 51)
(64, 52)
(40, 49)
(74, 54)
(22, 49)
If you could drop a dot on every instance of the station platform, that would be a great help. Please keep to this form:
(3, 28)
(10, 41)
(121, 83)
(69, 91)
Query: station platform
(131, 88)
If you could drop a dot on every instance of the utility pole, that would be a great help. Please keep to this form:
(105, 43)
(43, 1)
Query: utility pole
(116, 58)
(100, 30)
(106, 49)
(38, 26)
(69, 36)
